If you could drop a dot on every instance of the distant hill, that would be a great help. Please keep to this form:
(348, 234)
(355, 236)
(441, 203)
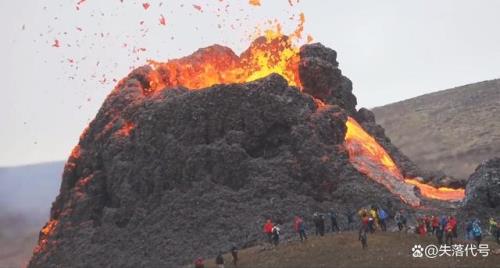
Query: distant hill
(451, 130)
(26, 194)
(30, 188)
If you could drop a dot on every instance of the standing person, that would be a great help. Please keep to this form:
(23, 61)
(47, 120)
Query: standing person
(476, 231)
(363, 238)
(363, 229)
(492, 226)
(497, 233)
(199, 263)
(321, 225)
(440, 234)
(422, 229)
(373, 213)
(219, 260)
(300, 228)
(448, 230)
(434, 224)
(276, 234)
(333, 219)
(268, 230)
(454, 223)
(234, 253)
(428, 225)
(316, 221)
(398, 220)
(371, 223)
(468, 230)
(382, 215)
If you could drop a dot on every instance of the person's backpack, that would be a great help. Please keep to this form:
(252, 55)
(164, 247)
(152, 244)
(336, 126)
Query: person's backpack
(476, 230)
(276, 231)
(382, 214)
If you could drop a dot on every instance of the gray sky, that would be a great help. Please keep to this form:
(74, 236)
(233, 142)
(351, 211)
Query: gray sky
(391, 50)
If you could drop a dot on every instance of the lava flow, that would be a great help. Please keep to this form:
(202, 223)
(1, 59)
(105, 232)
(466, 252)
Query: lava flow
(372, 160)
(442, 193)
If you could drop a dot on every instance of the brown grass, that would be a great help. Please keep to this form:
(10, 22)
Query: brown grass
(344, 250)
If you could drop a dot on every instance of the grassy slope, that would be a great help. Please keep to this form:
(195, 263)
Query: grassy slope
(344, 250)
(452, 130)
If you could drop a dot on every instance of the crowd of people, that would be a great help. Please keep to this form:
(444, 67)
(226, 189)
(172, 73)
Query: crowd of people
(371, 219)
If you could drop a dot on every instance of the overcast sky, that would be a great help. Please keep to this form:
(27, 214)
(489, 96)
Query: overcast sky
(391, 50)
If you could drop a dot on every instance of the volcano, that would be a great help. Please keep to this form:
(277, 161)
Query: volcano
(188, 157)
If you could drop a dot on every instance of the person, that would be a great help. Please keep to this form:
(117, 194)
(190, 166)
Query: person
(468, 230)
(333, 219)
(373, 213)
(434, 224)
(398, 220)
(448, 230)
(476, 231)
(321, 225)
(422, 229)
(316, 221)
(300, 228)
(492, 225)
(497, 233)
(268, 230)
(234, 253)
(276, 234)
(382, 215)
(454, 223)
(199, 263)
(363, 238)
(440, 234)
(371, 223)
(219, 260)
(428, 225)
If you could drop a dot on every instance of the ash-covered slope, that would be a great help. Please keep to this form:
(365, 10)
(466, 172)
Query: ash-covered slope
(160, 178)
(451, 131)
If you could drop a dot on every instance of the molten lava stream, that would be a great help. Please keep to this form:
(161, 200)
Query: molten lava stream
(441, 193)
(372, 160)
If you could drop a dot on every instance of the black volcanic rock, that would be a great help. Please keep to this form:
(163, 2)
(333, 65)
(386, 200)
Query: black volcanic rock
(321, 77)
(483, 190)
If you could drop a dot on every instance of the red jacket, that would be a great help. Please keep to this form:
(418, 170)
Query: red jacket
(435, 222)
(297, 223)
(268, 228)
(453, 222)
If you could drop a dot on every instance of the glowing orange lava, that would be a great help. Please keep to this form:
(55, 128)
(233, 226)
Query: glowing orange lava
(272, 53)
(372, 160)
(46, 231)
(442, 193)
(126, 129)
